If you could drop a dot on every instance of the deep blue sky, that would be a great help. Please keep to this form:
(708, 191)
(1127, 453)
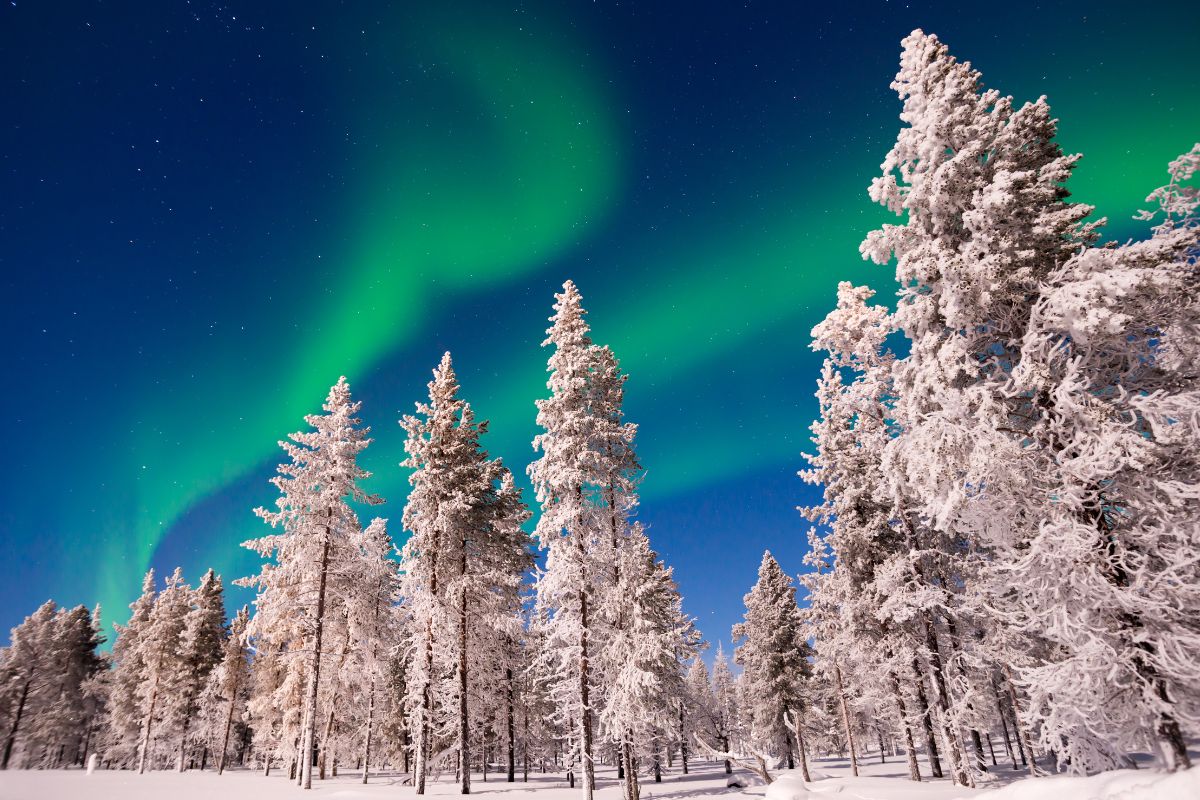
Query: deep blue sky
(210, 212)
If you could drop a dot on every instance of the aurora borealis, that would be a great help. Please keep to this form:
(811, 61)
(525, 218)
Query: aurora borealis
(209, 212)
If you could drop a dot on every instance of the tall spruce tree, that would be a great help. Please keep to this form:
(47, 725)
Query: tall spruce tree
(201, 647)
(123, 723)
(565, 479)
(315, 485)
(161, 653)
(465, 562)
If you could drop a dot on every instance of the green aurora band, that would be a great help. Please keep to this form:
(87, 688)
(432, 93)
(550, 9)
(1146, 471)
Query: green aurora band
(495, 160)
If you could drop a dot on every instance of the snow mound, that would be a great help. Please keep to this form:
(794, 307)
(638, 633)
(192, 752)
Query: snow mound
(788, 786)
(1115, 785)
(1125, 784)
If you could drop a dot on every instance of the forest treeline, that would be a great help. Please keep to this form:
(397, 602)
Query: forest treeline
(1003, 571)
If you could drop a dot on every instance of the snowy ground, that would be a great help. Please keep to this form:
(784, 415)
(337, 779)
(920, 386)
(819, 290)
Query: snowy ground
(831, 777)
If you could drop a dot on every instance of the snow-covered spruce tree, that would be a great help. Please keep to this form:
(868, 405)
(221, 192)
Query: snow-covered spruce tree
(542, 730)
(870, 594)
(44, 672)
(494, 559)
(464, 564)
(700, 709)
(227, 689)
(26, 670)
(62, 726)
(565, 478)
(123, 723)
(618, 474)
(158, 698)
(315, 486)
(987, 222)
(395, 743)
(363, 628)
(642, 660)
(1104, 403)
(276, 684)
(376, 627)
(999, 397)
(200, 650)
(724, 705)
(773, 654)
(94, 688)
(843, 613)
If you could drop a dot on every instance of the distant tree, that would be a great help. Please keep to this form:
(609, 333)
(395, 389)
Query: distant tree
(725, 710)
(773, 655)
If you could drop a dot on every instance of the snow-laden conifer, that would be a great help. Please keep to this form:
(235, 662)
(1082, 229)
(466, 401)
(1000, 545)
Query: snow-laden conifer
(157, 696)
(123, 723)
(316, 484)
(463, 566)
(565, 478)
(773, 654)
(200, 649)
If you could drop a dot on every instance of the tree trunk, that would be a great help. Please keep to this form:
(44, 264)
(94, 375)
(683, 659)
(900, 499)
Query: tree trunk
(187, 721)
(1004, 724)
(87, 742)
(931, 748)
(512, 730)
(310, 718)
(800, 748)
(977, 744)
(16, 726)
(837, 671)
(464, 726)
(424, 745)
(228, 728)
(958, 769)
(1022, 738)
(297, 769)
(569, 755)
(326, 739)
(914, 769)
(366, 756)
(683, 747)
(148, 725)
(589, 772)
(630, 776)
(729, 766)
(405, 744)
(882, 755)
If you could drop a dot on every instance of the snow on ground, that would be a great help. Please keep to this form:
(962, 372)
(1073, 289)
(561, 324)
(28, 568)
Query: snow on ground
(831, 778)
(706, 780)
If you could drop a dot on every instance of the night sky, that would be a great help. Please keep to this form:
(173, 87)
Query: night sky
(208, 212)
